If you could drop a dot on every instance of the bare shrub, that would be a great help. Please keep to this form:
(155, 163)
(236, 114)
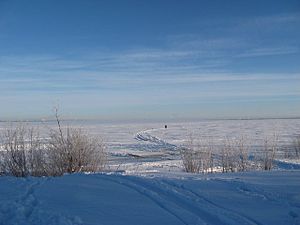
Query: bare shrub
(197, 157)
(235, 154)
(209, 156)
(269, 151)
(75, 152)
(22, 152)
(228, 156)
(13, 154)
(296, 146)
(36, 154)
(191, 160)
(242, 149)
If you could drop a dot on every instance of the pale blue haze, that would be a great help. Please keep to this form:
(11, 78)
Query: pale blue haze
(128, 60)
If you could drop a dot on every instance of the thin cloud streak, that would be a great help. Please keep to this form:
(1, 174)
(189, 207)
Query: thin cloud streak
(270, 51)
(124, 69)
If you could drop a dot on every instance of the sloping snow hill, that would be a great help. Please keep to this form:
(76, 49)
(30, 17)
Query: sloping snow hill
(248, 198)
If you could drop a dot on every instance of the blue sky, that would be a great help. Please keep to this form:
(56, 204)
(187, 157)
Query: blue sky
(128, 60)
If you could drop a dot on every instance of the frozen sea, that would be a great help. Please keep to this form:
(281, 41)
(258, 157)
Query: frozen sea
(149, 145)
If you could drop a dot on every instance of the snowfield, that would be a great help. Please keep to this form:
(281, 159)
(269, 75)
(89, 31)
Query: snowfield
(145, 182)
(178, 198)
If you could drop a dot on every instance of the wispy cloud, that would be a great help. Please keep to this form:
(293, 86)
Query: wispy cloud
(243, 37)
(186, 53)
(276, 19)
(269, 51)
(142, 61)
(133, 71)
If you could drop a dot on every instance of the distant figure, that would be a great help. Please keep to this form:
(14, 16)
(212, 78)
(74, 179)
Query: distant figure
(166, 126)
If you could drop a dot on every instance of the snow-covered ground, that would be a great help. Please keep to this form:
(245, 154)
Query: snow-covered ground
(247, 198)
(146, 184)
(150, 147)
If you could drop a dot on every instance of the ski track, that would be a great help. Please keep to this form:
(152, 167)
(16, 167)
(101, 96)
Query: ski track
(168, 195)
(235, 217)
(256, 192)
(186, 205)
(25, 210)
(151, 195)
(24, 206)
(253, 190)
(146, 137)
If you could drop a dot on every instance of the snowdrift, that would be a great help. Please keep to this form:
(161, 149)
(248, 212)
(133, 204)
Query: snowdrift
(112, 199)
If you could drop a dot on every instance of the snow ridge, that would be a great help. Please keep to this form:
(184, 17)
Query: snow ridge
(187, 206)
(254, 198)
(147, 137)
(25, 210)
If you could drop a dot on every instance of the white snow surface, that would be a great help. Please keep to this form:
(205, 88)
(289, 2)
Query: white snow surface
(177, 198)
(149, 146)
(149, 187)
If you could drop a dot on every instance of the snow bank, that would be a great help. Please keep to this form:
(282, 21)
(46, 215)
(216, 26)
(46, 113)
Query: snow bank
(248, 198)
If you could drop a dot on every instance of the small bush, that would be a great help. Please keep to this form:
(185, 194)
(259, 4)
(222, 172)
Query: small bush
(202, 156)
(197, 157)
(228, 156)
(75, 152)
(22, 153)
(269, 151)
(296, 146)
(242, 149)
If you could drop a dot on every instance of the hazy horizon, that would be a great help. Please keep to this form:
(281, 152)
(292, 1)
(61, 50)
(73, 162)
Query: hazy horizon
(140, 60)
(66, 120)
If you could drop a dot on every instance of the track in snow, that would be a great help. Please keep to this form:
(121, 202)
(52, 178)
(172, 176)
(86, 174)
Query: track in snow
(215, 199)
(147, 137)
(24, 209)
(184, 204)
